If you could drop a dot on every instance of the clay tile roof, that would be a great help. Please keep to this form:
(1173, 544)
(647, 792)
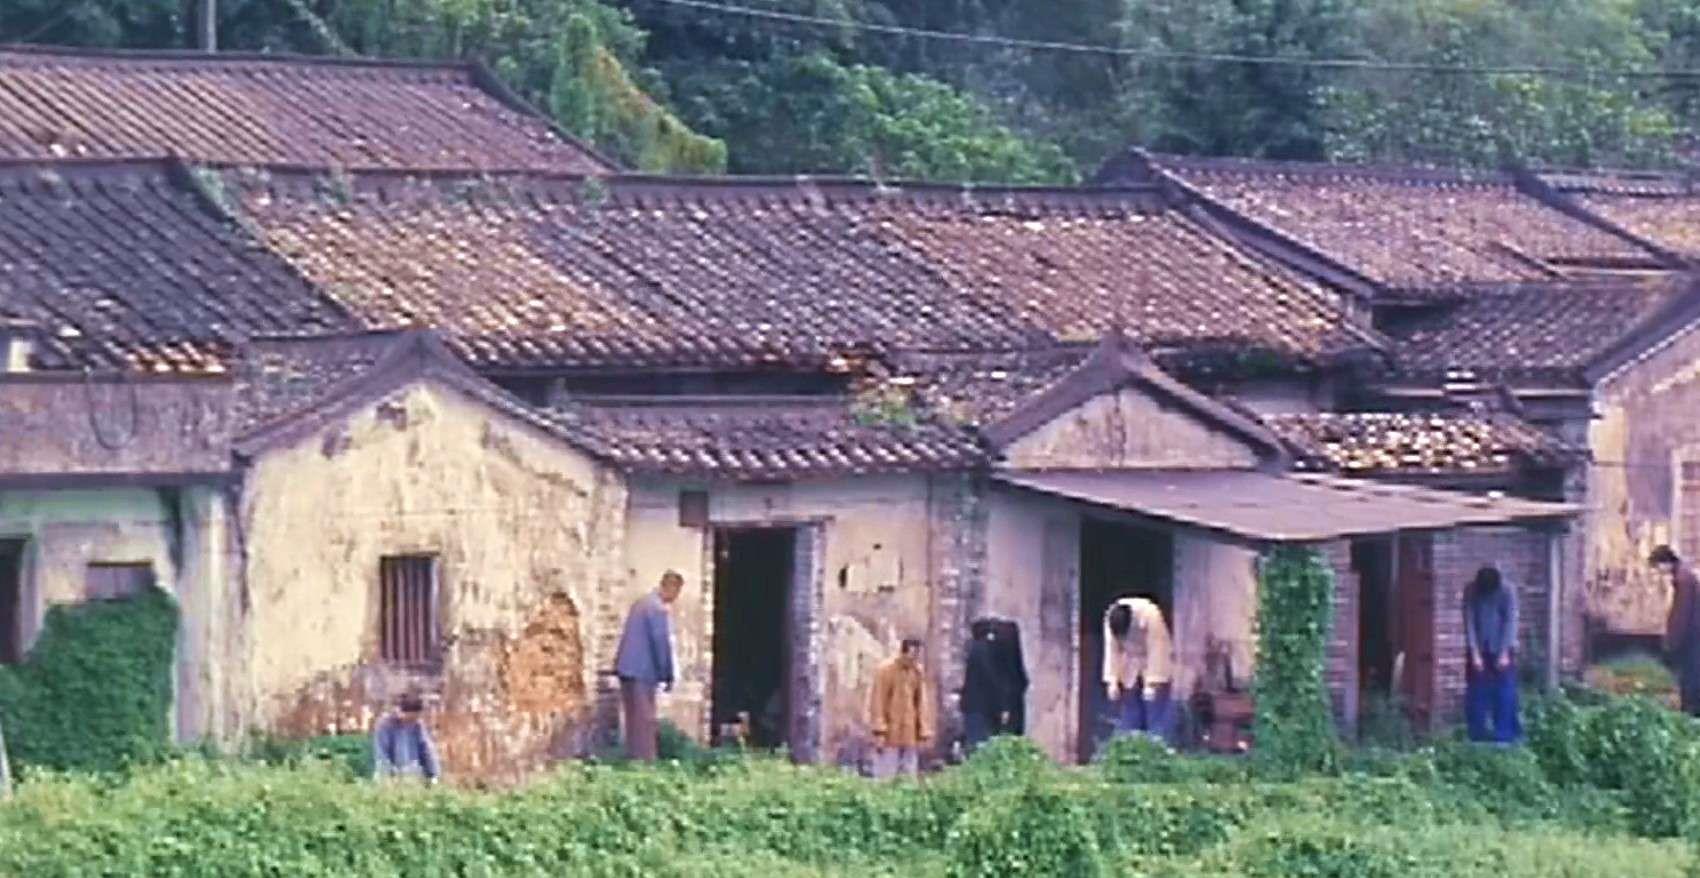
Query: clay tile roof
(763, 438)
(271, 109)
(1663, 208)
(124, 266)
(533, 270)
(1415, 232)
(1539, 331)
(1400, 443)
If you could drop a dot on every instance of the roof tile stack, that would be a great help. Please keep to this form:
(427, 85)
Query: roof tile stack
(1392, 443)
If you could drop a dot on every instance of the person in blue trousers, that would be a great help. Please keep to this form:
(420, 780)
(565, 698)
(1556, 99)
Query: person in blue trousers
(1490, 673)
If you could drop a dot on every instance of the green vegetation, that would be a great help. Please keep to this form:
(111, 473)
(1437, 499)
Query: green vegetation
(95, 692)
(1294, 727)
(1584, 799)
(666, 87)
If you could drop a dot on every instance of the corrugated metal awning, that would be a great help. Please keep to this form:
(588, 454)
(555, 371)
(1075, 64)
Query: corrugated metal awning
(1284, 507)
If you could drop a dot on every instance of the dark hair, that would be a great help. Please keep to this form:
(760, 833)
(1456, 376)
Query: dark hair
(981, 629)
(1662, 555)
(912, 644)
(1121, 619)
(1487, 581)
(410, 703)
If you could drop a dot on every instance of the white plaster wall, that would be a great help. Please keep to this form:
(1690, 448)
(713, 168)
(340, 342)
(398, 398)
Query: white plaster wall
(877, 571)
(1128, 429)
(1015, 588)
(1215, 597)
(513, 516)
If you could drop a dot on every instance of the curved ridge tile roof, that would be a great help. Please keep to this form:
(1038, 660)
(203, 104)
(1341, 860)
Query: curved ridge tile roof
(271, 109)
(534, 270)
(1414, 231)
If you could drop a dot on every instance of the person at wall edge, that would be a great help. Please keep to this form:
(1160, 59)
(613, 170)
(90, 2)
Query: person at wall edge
(402, 746)
(1137, 660)
(1682, 629)
(1490, 672)
(987, 695)
(900, 714)
(644, 662)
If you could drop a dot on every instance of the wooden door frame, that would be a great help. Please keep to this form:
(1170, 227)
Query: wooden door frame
(806, 686)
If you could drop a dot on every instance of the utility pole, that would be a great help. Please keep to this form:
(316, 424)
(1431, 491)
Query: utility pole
(206, 25)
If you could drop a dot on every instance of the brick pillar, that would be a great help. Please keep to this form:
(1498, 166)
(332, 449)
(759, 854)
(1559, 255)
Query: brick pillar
(1341, 673)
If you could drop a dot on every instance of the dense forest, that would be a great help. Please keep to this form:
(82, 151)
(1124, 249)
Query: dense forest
(1014, 90)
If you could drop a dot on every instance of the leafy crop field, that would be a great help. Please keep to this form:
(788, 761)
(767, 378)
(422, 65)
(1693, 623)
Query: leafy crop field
(1608, 789)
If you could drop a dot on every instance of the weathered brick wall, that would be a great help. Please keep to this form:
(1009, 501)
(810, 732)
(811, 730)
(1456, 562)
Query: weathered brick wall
(1522, 557)
(1342, 670)
(54, 424)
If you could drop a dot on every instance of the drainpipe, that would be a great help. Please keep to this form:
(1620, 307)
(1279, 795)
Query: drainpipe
(206, 25)
(1555, 603)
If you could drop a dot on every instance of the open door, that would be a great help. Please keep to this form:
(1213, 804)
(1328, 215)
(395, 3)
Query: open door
(1416, 601)
(11, 601)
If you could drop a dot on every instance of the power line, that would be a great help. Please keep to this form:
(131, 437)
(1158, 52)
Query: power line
(1367, 64)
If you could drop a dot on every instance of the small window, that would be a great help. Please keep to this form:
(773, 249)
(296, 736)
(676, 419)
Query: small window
(407, 612)
(1688, 509)
(110, 582)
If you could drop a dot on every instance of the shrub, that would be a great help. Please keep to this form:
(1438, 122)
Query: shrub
(95, 692)
(1028, 831)
(1507, 781)
(1139, 759)
(1293, 727)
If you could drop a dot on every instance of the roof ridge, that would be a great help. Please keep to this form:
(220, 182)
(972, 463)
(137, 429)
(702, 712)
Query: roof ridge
(832, 188)
(1387, 172)
(215, 59)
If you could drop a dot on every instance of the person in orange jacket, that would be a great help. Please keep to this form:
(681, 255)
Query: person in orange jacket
(900, 714)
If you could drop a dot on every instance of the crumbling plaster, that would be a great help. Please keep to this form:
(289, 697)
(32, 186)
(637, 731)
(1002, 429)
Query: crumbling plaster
(1647, 420)
(884, 541)
(527, 533)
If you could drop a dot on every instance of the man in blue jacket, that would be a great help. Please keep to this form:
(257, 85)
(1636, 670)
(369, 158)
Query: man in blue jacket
(1490, 677)
(644, 662)
(401, 745)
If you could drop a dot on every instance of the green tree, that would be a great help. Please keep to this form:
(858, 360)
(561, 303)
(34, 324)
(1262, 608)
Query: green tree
(811, 114)
(1593, 117)
(1226, 108)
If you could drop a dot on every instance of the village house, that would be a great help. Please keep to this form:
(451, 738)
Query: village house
(1556, 301)
(966, 409)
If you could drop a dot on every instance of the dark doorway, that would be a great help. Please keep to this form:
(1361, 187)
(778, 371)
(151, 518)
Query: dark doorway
(1378, 642)
(753, 573)
(11, 601)
(1116, 560)
(1416, 602)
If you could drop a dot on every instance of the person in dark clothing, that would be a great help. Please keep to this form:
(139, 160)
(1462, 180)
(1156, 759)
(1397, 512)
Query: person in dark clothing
(1490, 673)
(1682, 629)
(986, 692)
(1008, 649)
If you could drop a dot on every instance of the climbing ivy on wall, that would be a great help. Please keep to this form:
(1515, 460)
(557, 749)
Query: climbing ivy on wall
(1294, 726)
(95, 692)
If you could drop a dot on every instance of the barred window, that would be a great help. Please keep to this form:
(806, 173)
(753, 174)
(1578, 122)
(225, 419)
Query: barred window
(407, 609)
(110, 582)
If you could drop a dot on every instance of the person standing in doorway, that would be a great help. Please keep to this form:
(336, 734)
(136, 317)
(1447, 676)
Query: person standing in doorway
(1682, 628)
(987, 697)
(644, 662)
(1137, 661)
(900, 714)
(1490, 675)
(402, 746)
